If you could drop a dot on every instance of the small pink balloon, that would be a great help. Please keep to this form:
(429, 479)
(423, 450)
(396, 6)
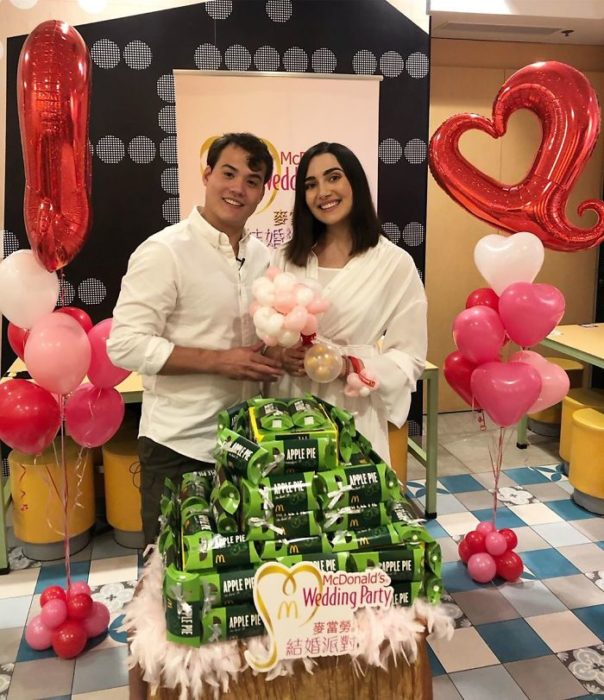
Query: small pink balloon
(54, 613)
(93, 415)
(482, 567)
(479, 334)
(318, 305)
(102, 372)
(38, 635)
(296, 319)
(98, 620)
(310, 326)
(495, 543)
(555, 382)
(272, 272)
(485, 527)
(285, 301)
(78, 587)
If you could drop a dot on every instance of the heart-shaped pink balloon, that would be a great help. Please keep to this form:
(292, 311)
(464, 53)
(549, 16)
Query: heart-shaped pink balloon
(554, 380)
(478, 334)
(506, 390)
(530, 311)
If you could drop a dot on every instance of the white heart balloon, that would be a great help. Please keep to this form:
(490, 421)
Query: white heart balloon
(503, 260)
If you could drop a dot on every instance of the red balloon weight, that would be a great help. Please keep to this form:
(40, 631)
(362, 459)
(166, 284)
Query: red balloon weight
(69, 639)
(510, 537)
(567, 107)
(29, 416)
(484, 296)
(79, 315)
(506, 390)
(79, 606)
(509, 566)
(17, 337)
(53, 92)
(475, 542)
(52, 593)
(458, 372)
(464, 551)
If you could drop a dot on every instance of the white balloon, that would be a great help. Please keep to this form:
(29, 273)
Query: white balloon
(262, 284)
(285, 282)
(274, 324)
(288, 338)
(304, 295)
(503, 260)
(261, 318)
(266, 296)
(27, 290)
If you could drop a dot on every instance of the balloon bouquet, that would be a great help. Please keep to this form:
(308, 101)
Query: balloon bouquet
(285, 312)
(513, 307)
(59, 347)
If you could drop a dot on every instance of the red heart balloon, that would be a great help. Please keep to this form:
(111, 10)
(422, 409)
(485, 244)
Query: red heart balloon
(506, 390)
(458, 372)
(530, 311)
(53, 93)
(567, 107)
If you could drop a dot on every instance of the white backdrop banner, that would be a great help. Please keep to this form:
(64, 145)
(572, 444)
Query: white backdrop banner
(290, 112)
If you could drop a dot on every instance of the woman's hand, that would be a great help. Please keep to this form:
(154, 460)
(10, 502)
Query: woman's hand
(292, 360)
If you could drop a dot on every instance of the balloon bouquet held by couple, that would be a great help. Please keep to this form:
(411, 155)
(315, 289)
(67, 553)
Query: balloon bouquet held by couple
(198, 348)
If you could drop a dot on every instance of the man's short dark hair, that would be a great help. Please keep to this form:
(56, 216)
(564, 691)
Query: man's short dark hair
(258, 152)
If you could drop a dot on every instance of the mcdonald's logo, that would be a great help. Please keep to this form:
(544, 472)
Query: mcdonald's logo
(220, 559)
(279, 508)
(287, 608)
(355, 498)
(353, 522)
(364, 542)
(294, 549)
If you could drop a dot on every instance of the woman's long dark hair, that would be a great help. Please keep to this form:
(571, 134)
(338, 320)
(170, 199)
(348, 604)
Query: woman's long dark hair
(307, 230)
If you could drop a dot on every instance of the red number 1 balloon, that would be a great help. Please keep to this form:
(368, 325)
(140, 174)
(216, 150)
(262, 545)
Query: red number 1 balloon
(53, 89)
(567, 107)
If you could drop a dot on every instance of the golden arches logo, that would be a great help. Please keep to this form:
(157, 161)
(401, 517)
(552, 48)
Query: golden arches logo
(272, 193)
(294, 549)
(220, 559)
(363, 542)
(289, 588)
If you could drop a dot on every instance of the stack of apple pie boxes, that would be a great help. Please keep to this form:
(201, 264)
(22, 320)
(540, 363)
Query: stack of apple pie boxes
(293, 481)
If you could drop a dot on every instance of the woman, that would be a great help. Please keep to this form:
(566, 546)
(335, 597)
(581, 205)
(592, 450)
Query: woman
(377, 302)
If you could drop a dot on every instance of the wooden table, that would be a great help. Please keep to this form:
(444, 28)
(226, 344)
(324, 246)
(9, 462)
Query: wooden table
(583, 342)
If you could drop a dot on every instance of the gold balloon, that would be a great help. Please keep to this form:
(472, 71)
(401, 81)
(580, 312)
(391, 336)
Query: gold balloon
(323, 362)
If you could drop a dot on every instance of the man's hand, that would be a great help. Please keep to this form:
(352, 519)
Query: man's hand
(293, 360)
(247, 363)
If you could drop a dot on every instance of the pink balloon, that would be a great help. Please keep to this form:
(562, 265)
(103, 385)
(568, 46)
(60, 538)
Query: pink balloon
(78, 587)
(555, 382)
(318, 305)
(506, 390)
(482, 567)
(311, 325)
(296, 319)
(57, 353)
(78, 315)
(285, 301)
(485, 527)
(54, 613)
(495, 543)
(530, 311)
(272, 272)
(98, 620)
(37, 634)
(102, 372)
(478, 334)
(93, 415)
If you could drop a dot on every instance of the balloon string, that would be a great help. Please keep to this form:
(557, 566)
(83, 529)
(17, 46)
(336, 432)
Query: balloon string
(65, 495)
(496, 457)
(91, 423)
(52, 486)
(80, 468)
(22, 493)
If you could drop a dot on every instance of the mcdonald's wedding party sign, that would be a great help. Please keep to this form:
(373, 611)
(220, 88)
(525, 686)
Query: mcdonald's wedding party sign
(309, 612)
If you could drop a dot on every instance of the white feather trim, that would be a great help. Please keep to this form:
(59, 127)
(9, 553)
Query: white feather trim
(383, 633)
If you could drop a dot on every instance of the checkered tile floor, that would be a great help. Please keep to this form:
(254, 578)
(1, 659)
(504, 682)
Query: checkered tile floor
(540, 638)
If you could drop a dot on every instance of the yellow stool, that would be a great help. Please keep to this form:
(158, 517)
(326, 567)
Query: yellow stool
(397, 441)
(576, 400)
(587, 460)
(548, 421)
(122, 491)
(37, 493)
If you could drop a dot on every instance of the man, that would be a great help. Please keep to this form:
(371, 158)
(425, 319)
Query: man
(182, 319)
